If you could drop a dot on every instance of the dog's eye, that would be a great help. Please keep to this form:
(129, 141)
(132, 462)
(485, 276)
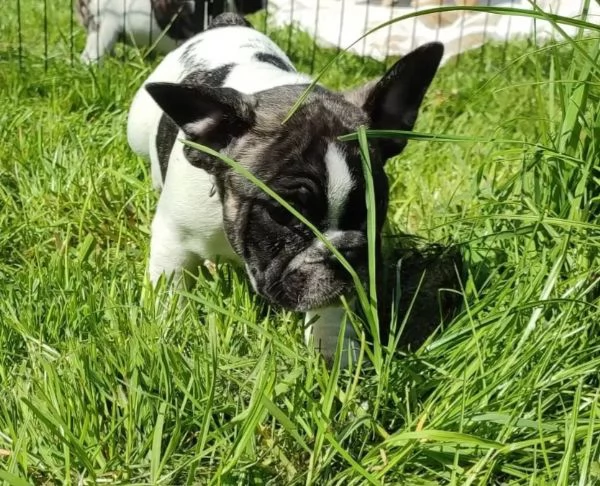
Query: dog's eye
(279, 214)
(299, 200)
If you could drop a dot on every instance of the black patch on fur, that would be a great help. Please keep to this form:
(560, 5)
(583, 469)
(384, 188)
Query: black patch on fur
(354, 216)
(273, 60)
(187, 17)
(165, 140)
(215, 78)
(228, 19)
(249, 6)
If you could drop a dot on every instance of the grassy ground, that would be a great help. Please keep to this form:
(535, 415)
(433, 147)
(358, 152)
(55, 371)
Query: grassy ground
(97, 385)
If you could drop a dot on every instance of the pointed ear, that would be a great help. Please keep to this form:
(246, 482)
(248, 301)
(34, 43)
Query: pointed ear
(207, 115)
(393, 102)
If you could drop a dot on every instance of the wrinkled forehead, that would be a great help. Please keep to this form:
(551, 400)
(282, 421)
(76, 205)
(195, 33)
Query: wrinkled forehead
(293, 159)
(322, 112)
(307, 145)
(325, 174)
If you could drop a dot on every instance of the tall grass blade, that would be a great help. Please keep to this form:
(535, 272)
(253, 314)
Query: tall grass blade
(373, 318)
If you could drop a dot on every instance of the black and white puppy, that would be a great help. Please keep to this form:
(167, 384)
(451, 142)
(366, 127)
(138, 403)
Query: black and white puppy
(163, 24)
(230, 88)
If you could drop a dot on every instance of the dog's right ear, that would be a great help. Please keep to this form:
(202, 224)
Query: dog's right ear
(207, 115)
(393, 101)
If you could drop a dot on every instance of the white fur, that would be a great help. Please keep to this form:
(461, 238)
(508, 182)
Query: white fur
(188, 225)
(325, 333)
(132, 18)
(339, 184)
(325, 330)
(251, 277)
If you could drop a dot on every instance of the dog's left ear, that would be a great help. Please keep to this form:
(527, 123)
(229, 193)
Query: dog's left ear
(393, 101)
(207, 115)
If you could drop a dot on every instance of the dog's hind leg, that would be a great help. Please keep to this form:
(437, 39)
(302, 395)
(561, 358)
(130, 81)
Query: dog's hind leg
(101, 38)
(104, 22)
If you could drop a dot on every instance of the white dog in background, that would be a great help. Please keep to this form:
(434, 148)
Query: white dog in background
(162, 24)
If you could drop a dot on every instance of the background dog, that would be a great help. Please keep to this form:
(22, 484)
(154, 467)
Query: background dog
(145, 22)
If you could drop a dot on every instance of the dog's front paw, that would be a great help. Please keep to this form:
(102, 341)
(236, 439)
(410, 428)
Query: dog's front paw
(87, 60)
(323, 332)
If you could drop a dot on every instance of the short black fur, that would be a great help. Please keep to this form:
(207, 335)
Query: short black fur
(181, 18)
(165, 140)
(273, 60)
(215, 78)
(228, 19)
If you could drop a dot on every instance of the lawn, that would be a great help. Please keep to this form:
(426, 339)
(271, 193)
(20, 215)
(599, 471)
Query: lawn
(102, 384)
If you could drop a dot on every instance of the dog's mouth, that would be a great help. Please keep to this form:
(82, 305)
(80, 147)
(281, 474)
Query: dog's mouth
(327, 300)
(314, 277)
(291, 300)
(314, 284)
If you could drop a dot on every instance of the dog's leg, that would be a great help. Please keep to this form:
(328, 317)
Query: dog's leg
(101, 39)
(325, 331)
(169, 257)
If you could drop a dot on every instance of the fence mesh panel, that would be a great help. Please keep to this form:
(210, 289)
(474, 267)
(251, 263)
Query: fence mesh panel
(50, 31)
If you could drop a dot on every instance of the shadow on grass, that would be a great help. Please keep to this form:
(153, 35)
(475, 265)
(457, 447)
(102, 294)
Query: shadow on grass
(421, 289)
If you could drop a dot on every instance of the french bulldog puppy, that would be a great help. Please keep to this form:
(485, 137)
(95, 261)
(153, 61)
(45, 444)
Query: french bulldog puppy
(144, 22)
(230, 88)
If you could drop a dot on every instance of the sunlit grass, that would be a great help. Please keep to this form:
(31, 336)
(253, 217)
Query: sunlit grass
(100, 383)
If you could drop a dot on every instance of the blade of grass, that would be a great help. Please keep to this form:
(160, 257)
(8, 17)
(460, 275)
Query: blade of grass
(211, 372)
(570, 429)
(326, 404)
(155, 453)
(372, 237)
(584, 477)
(435, 436)
(432, 137)
(61, 432)
(285, 421)
(13, 479)
(254, 415)
(356, 466)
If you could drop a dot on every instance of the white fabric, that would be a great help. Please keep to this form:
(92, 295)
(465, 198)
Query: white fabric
(341, 22)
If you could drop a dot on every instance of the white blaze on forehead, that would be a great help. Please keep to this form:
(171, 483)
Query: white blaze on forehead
(339, 184)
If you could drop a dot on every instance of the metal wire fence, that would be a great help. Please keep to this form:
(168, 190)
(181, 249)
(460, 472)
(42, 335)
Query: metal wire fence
(48, 31)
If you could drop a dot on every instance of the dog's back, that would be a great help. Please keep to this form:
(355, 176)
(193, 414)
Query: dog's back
(228, 54)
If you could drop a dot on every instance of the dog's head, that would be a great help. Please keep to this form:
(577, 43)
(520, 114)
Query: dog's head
(305, 163)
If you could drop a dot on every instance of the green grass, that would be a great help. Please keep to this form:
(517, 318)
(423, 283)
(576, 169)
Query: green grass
(101, 384)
